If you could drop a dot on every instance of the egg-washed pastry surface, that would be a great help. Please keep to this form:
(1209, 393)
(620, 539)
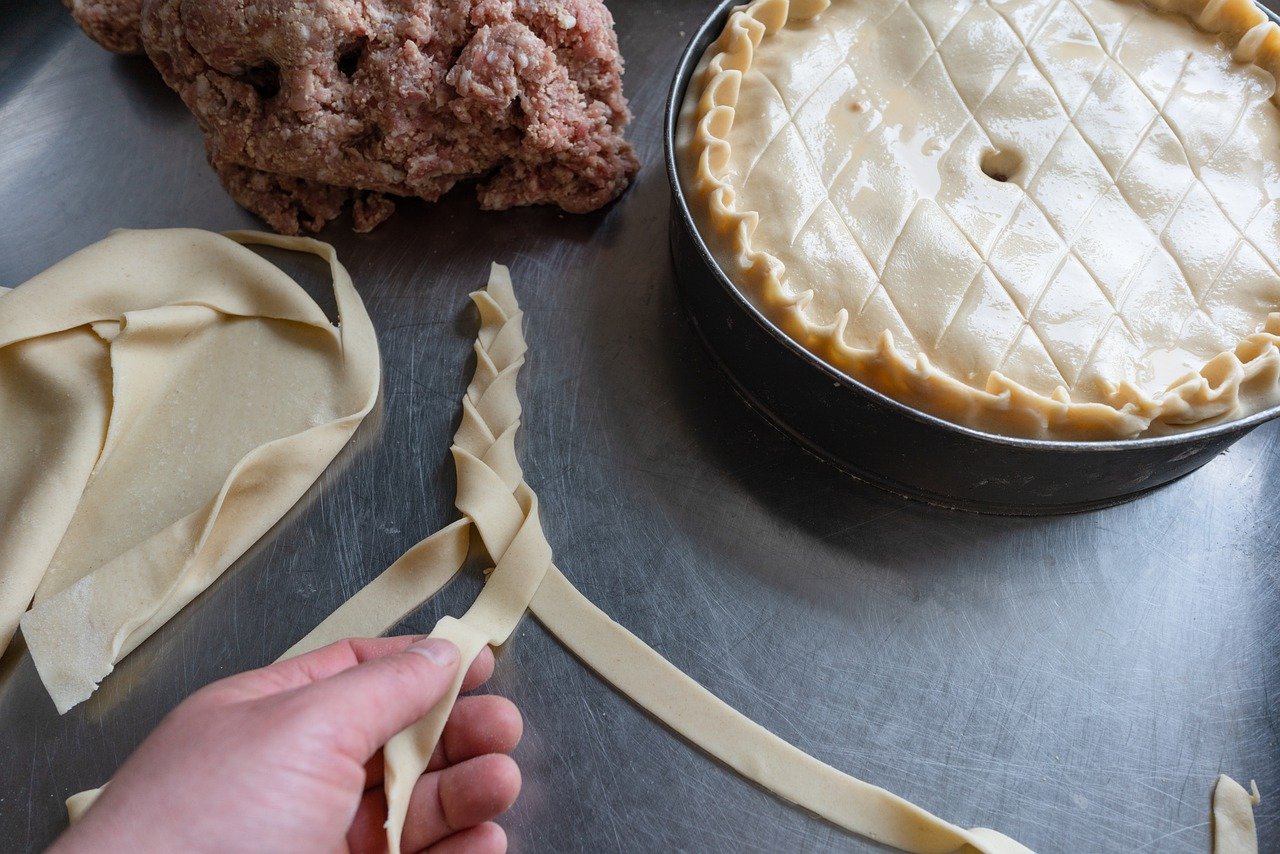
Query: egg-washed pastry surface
(1044, 218)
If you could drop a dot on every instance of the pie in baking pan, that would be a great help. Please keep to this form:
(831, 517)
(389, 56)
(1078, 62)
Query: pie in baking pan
(1043, 218)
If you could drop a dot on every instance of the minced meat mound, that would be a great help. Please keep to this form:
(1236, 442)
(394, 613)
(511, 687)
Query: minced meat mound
(308, 107)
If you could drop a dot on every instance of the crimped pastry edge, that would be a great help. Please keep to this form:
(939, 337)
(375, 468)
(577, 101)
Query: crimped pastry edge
(1234, 384)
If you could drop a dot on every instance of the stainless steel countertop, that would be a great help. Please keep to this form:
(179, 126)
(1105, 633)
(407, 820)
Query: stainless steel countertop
(1076, 682)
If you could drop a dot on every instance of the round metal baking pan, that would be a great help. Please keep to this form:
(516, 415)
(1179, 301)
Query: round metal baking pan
(880, 440)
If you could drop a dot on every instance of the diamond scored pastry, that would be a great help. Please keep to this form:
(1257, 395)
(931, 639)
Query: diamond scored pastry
(1046, 218)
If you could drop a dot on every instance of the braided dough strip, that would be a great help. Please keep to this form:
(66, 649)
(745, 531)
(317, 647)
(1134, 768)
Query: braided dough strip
(493, 495)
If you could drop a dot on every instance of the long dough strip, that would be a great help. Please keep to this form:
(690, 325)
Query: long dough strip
(413, 579)
(702, 718)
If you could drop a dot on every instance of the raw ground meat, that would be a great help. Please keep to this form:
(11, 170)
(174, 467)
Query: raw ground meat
(307, 107)
(111, 23)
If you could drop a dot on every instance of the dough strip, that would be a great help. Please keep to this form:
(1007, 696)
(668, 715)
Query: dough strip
(1234, 829)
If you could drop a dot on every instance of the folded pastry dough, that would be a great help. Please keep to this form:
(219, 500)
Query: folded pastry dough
(165, 397)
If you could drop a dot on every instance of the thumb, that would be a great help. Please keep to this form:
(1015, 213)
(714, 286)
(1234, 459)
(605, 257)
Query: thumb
(369, 703)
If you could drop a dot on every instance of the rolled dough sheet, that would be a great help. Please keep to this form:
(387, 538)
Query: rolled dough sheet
(165, 397)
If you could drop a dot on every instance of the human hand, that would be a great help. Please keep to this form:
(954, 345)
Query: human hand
(288, 758)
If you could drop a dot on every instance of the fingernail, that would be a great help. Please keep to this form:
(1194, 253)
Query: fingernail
(438, 651)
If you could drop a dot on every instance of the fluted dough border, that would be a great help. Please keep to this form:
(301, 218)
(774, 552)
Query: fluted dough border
(1233, 384)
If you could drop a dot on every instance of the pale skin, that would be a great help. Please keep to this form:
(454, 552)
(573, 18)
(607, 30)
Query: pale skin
(288, 758)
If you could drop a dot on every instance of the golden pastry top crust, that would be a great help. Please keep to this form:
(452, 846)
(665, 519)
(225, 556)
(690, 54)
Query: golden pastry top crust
(1233, 378)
